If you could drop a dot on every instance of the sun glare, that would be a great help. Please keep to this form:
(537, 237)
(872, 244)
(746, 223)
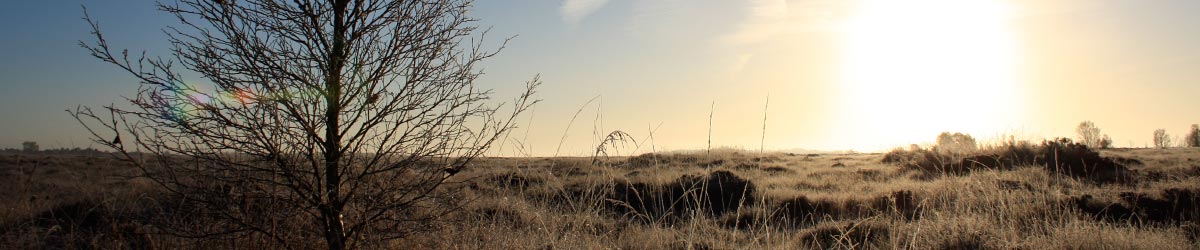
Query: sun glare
(912, 69)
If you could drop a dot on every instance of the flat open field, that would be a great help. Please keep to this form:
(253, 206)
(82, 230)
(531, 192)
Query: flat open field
(725, 199)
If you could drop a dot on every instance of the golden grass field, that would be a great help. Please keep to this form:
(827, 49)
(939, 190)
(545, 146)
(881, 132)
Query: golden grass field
(724, 199)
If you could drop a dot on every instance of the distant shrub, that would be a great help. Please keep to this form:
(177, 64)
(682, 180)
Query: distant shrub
(1161, 139)
(1193, 136)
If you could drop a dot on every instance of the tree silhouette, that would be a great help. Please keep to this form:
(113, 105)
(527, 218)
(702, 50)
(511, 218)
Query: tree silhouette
(346, 115)
(1193, 136)
(1161, 138)
(956, 143)
(1090, 135)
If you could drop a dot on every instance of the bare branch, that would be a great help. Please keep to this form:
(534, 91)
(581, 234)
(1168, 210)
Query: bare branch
(350, 113)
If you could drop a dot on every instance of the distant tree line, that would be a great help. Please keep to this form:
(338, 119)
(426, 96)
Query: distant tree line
(75, 150)
(1192, 139)
(1088, 134)
(30, 147)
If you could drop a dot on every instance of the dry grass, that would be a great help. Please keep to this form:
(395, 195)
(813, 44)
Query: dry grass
(728, 199)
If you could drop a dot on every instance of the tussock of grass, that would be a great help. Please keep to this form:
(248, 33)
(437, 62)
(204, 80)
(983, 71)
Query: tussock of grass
(713, 195)
(723, 200)
(852, 235)
(1173, 205)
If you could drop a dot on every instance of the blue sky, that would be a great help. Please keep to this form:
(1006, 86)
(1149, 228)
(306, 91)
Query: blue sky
(1129, 66)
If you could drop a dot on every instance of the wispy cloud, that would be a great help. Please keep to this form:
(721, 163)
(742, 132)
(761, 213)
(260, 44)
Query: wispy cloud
(740, 63)
(574, 11)
(766, 19)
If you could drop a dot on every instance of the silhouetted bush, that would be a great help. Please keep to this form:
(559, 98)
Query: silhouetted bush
(1193, 136)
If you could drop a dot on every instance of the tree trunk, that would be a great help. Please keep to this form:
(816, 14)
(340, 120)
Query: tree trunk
(335, 232)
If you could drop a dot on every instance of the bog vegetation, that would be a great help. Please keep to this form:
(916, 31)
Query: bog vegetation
(1007, 194)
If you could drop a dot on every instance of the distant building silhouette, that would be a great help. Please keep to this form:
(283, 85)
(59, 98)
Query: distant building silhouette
(29, 146)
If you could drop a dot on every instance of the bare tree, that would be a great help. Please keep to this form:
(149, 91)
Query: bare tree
(1161, 139)
(347, 115)
(1090, 135)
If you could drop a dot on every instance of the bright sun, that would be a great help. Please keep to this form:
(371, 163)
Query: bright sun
(912, 69)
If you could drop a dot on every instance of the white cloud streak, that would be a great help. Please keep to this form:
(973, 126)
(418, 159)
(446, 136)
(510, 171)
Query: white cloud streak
(767, 19)
(574, 11)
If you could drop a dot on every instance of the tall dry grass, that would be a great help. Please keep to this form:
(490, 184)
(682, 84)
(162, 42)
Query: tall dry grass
(726, 199)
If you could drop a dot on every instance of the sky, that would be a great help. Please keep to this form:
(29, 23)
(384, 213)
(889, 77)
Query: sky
(864, 75)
